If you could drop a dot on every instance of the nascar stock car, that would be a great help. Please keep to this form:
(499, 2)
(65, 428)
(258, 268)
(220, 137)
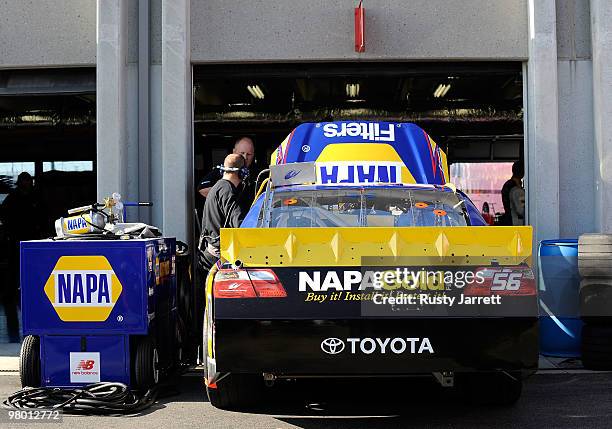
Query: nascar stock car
(359, 258)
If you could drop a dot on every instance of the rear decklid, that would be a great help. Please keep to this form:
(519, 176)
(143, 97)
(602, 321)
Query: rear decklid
(353, 272)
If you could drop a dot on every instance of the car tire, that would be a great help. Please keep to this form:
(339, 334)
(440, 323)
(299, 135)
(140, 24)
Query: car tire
(597, 347)
(29, 362)
(235, 391)
(496, 389)
(146, 364)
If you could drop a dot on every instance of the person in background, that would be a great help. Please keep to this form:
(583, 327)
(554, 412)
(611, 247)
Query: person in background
(243, 146)
(222, 209)
(518, 172)
(486, 215)
(21, 216)
(517, 205)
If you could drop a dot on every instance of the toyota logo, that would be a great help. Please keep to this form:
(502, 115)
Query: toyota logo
(332, 346)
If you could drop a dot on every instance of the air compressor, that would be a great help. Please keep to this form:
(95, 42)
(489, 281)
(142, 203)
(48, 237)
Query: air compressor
(99, 302)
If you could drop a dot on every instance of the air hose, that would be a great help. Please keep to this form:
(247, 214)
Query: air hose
(104, 398)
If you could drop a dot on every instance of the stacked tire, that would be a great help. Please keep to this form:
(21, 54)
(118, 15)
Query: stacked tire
(595, 266)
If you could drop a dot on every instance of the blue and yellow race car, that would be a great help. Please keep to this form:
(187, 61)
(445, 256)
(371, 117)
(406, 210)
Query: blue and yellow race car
(359, 258)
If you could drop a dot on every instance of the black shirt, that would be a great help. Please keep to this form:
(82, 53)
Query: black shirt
(505, 194)
(210, 179)
(221, 210)
(246, 190)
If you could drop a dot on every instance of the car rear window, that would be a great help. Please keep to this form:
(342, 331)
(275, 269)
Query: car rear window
(363, 207)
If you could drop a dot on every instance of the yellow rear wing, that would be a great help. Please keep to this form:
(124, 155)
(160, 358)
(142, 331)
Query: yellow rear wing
(327, 247)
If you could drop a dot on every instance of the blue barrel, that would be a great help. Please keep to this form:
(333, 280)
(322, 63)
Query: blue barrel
(559, 286)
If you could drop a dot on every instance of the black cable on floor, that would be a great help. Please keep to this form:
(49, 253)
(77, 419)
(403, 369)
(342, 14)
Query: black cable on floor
(98, 398)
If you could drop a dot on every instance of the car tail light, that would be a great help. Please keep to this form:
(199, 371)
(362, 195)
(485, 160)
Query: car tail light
(502, 280)
(248, 283)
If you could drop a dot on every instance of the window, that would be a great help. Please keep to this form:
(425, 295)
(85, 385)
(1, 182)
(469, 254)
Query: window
(482, 182)
(365, 207)
(68, 166)
(8, 175)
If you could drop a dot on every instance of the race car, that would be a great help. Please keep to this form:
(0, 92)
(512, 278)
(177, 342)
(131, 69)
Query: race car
(359, 258)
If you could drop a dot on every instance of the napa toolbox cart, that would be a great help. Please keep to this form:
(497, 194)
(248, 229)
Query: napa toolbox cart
(100, 307)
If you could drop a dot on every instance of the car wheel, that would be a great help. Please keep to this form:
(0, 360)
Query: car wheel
(235, 391)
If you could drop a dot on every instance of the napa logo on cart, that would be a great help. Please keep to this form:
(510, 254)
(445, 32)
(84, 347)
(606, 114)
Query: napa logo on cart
(83, 288)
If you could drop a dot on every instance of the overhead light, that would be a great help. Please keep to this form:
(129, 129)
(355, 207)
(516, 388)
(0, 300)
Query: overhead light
(255, 91)
(441, 90)
(446, 88)
(352, 90)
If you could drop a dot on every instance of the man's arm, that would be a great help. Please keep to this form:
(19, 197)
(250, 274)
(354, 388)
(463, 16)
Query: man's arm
(517, 201)
(208, 181)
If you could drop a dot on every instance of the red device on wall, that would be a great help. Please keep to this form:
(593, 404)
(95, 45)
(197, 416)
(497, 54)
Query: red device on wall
(360, 28)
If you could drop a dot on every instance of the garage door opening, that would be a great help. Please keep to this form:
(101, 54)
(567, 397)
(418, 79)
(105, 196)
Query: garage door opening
(48, 129)
(474, 111)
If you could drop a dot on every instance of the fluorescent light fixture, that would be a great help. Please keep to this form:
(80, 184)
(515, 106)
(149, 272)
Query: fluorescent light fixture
(352, 90)
(255, 91)
(445, 90)
(441, 90)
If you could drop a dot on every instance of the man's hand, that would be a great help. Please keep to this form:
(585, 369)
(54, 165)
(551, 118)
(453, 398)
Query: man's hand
(204, 192)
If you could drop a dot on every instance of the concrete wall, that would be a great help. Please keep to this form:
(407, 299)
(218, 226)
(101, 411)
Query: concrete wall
(281, 30)
(47, 33)
(575, 83)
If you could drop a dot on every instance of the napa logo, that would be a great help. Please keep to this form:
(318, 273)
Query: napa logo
(83, 288)
(351, 172)
(77, 224)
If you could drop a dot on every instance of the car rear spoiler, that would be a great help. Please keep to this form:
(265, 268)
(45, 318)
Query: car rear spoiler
(303, 247)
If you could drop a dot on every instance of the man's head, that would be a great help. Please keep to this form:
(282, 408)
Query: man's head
(244, 146)
(24, 182)
(518, 170)
(233, 160)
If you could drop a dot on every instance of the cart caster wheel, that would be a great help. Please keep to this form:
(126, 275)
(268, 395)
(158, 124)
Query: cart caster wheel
(29, 362)
(146, 364)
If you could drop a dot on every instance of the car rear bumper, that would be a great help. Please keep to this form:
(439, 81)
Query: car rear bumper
(375, 346)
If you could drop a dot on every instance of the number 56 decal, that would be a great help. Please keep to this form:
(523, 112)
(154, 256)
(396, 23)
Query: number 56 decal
(506, 279)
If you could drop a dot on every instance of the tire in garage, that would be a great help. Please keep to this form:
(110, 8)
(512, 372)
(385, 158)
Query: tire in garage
(146, 364)
(586, 240)
(595, 300)
(599, 265)
(597, 347)
(29, 362)
(491, 388)
(595, 255)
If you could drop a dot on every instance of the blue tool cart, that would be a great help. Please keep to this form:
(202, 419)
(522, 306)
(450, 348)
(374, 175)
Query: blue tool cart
(98, 310)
